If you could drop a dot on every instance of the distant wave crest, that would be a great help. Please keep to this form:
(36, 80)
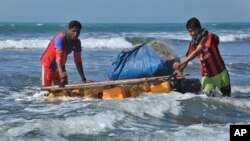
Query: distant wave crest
(115, 42)
(106, 43)
(23, 44)
(86, 43)
(236, 37)
(183, 36)
(223, 38)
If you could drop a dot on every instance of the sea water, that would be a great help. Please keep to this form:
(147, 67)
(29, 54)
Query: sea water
(27, 114)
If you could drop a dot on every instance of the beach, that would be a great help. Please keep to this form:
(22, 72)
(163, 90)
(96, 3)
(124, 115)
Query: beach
(27, 114)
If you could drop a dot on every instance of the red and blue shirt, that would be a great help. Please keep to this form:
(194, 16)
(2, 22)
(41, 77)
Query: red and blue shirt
(58, 49)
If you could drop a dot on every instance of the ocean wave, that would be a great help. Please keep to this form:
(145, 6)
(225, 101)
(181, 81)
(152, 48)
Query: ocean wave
(241, 89)
(241, 104)
(23, 44)
(117, 42)
(236, 37)
(39, 24)
(227, 32)
(223, 38)
(89, 125)
(240, 66)
(106, 43)
(124, 41)
(185, 37)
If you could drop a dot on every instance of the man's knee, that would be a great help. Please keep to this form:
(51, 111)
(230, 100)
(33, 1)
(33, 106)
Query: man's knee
(207, 89)
(226, 91)
(208, 93)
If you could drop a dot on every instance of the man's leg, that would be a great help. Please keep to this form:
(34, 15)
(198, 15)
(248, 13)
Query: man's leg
(46, 76)
(226, 91)
(207, 85)
(225, 84)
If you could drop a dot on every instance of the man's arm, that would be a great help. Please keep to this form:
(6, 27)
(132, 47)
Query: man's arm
(59, 56)
(79, 66)
(181, 66)
(62, 73)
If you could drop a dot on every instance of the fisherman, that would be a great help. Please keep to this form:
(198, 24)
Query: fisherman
(204, 46)
(54, 58)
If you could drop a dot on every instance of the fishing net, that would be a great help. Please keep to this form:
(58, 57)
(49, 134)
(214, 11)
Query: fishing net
(164, 50)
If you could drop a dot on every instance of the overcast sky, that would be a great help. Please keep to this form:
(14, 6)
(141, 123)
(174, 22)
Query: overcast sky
(124, 11)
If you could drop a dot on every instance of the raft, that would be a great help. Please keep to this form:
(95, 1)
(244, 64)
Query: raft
(120, 89)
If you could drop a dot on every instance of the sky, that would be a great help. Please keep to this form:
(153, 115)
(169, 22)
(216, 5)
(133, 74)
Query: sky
(124, 11)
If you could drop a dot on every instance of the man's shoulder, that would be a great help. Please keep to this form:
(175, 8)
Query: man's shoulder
(207, 36)
(60, 34)
(78, 40)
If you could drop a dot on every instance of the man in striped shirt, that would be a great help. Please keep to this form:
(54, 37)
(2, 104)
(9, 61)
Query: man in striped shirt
(204, 46)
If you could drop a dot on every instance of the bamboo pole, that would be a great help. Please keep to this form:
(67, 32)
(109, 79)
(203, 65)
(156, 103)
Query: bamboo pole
(103, 84)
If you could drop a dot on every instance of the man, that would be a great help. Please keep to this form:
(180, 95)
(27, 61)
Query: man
(204, 46)
(54, 58)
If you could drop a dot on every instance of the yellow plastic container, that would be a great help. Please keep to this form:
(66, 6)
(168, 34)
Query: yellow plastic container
(145, 87)
(51, 95)
(162, 87)
(134, 90)
(137, 89)
(76, 92)
(118, 92)
(58, 93)
(92, 93)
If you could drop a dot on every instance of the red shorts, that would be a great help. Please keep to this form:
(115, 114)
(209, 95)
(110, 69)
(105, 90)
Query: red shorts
(49, 75)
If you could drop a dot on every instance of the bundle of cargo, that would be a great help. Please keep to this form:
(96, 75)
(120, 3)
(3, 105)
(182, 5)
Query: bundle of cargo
(144, 60)
(144, 68)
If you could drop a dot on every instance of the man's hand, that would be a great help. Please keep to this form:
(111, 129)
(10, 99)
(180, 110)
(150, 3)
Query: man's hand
(63, 75)
(63, 79)
(178, 73)
(176, 65)
(87, 81)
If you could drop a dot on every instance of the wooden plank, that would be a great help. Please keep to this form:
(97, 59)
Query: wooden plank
(103, 84)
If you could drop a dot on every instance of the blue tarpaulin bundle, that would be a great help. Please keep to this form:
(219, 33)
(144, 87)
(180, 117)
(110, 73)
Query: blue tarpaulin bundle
(141, 61)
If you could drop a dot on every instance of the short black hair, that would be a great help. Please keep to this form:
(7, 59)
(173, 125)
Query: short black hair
(75, 23)
(193, 23)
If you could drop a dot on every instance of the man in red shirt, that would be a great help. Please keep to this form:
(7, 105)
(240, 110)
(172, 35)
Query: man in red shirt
(204, 46)
(54, 58)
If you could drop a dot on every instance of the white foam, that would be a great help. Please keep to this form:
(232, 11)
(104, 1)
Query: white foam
(24, 43)
(117, 42)
(92, 124)
(198, 132)
(184, 36)
(60, 106)
(155, 105)
(241, 89)
(39, 24)
(3, 111)
(241, 104)
(114, 41)
(237, 103)
(234, 37)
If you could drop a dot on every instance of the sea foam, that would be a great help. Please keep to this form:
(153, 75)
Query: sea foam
(117, 42)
